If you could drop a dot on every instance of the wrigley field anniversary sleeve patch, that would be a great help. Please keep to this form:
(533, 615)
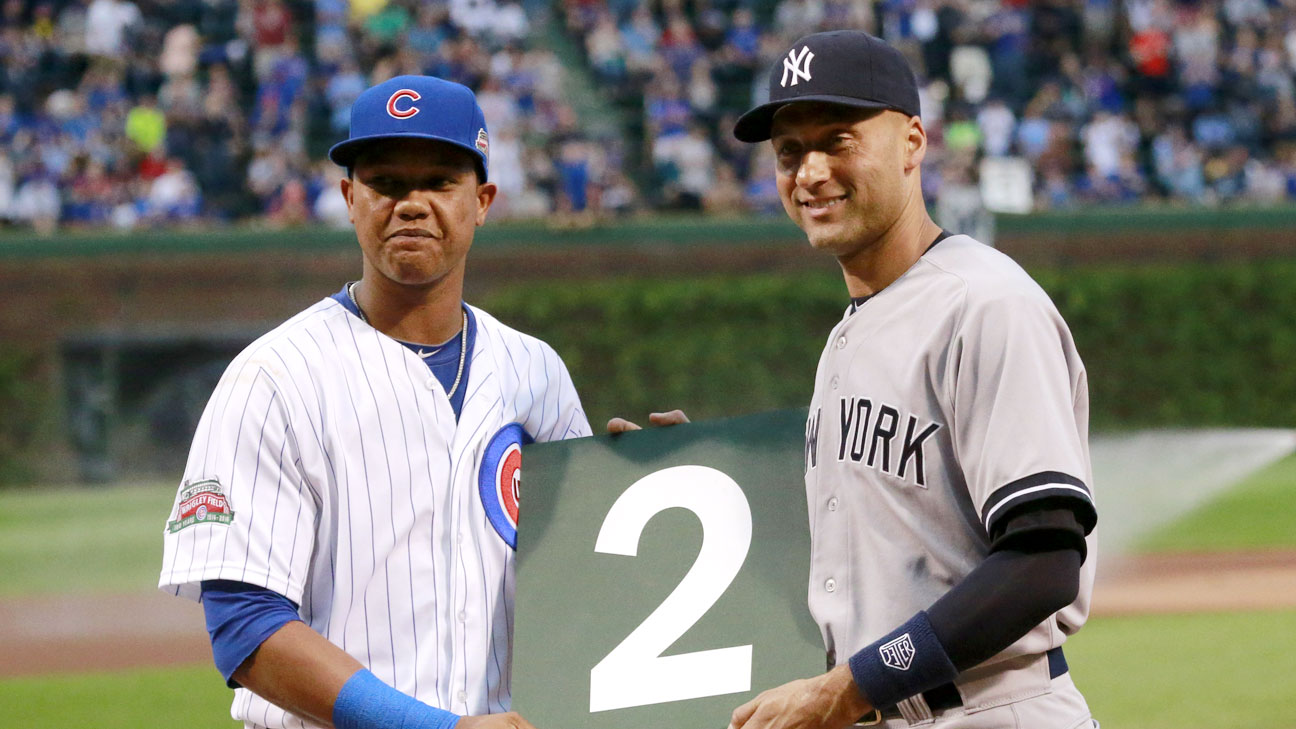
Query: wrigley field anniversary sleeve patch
(202, 502)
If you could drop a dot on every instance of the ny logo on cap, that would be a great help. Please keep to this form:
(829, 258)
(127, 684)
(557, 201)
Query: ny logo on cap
(798, 64)
(399, 113)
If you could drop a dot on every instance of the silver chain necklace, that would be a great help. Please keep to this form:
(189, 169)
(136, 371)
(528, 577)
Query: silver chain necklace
(463, 337)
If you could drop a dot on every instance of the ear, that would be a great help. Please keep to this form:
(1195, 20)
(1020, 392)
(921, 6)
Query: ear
(486, 192)
(915, 141)
(348, 188)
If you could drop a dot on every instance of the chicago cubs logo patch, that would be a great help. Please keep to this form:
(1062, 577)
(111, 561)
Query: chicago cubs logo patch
(400, 110)
(201, 502)
(500, 478)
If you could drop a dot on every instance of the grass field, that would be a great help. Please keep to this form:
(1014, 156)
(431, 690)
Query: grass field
(1258, 514)
(190, 697)
(82, 539)
(1208, 671)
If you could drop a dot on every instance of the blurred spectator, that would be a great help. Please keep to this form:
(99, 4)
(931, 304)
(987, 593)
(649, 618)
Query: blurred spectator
(146, 125)
(725, 195)
(573, 165)
(959, 205)
(289, 206)
(760, 193)
(330, 209)
(1107, 140)
(106, 23)
(997, 125)
(6, 188)
(37, 203)
(686, 163)
(606, 51)
(174, 195)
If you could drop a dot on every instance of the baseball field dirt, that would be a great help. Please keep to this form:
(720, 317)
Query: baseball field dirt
(80, 633)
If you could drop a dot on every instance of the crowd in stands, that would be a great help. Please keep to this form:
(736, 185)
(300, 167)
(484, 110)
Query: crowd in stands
(1185, 102)
(126, 113)
(196, 112)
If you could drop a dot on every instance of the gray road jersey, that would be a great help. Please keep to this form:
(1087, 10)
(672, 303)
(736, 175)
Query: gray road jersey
(945, 401)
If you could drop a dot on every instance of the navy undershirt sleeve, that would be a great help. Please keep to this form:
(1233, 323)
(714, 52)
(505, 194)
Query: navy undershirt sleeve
(1032, 571)
(239, 619)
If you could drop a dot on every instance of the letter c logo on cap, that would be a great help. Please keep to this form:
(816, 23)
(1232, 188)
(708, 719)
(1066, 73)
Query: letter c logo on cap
(408, 112)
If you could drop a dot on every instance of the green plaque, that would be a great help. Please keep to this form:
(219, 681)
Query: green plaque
(661, 575)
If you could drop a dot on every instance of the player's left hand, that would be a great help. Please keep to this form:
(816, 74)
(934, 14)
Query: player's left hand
(830, 701)
(621, 425)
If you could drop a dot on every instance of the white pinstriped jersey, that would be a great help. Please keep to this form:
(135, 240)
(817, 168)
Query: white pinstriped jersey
(950, 397)
(329, 467)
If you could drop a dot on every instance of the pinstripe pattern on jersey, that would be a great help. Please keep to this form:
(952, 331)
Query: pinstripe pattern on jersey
(355, 496)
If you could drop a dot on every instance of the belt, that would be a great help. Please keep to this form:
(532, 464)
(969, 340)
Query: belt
(946, 696)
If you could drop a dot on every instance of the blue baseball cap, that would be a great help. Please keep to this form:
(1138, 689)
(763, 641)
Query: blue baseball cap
(416, 107)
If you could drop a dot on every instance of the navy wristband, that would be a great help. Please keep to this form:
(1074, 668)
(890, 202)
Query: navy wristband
(365, 702)
(907, 661)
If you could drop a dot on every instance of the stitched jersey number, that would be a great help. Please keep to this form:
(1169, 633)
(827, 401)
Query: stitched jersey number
(636, 673)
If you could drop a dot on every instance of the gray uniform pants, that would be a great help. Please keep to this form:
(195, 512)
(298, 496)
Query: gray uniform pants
(1063, 707)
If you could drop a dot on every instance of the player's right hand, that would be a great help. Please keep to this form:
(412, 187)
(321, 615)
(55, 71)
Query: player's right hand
(621, 425)
(511, 720)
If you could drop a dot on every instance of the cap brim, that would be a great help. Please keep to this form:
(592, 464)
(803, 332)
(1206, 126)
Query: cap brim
(344, 153)
(754, 126)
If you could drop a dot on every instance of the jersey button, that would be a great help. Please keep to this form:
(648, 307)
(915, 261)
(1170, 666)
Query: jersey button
(841, 342)
(832, 504)
(463, 616)
(459, 537)
(431, 383)
(830, 585)
(461, 697)
(834, 382)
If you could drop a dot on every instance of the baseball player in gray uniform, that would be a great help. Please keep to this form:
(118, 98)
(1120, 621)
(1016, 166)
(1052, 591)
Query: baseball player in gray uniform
(946, 456)
(348, 514)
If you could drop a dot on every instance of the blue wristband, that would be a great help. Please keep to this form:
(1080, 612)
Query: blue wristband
(907, 661)
(365, 702)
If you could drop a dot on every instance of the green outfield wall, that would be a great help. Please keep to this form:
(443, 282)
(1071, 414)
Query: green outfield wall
(110, 343)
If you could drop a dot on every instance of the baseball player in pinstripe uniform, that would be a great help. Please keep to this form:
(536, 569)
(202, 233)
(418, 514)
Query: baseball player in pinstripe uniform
(348, 512)
(947, 462)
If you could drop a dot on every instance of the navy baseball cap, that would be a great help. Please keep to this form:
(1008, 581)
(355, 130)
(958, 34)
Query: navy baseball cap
(416, 107)
(848, 67)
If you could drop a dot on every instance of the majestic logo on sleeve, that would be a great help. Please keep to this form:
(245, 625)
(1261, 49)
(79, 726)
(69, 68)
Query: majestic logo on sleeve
(201, 502)
(500, 478)
(397, 107)
(797, 64)
(898, 653)
(872, 434)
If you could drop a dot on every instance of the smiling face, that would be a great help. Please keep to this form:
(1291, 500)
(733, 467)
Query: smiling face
(846, 175)
(415, 204)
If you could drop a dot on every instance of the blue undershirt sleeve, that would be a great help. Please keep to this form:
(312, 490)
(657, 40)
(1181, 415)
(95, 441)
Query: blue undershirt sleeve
(239, 619)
